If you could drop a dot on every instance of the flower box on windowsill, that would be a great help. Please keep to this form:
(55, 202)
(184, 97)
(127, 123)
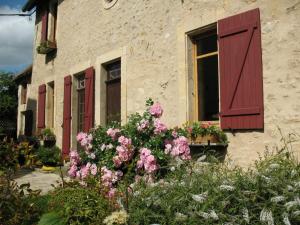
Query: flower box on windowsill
(46, 47)
(204, 139)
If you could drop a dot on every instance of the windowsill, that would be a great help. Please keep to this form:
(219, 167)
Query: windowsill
(208, 144)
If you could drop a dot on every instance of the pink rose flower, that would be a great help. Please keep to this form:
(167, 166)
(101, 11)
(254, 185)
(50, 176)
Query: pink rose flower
(124, 141)
(111, 193)
(147, 160)
(72, 171)
(159, 127)
(168, 148)
(113, 133)
(84, 171)
(156, 110)
(117, 161)
(94, 169)
(179, 148)
(142, 125)
(174, 134)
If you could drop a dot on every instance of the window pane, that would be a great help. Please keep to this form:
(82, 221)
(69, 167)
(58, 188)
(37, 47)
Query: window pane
(113, 70)
(80, 120)
(207, 44)
(208, 88)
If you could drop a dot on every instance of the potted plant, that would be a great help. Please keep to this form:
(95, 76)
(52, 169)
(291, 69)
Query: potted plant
(49, 137)
(200, 133)
(49, 157)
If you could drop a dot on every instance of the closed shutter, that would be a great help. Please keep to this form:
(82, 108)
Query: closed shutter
(89, 99)
(66, 142)
(241, 84)
(41, 106)
(44, 32)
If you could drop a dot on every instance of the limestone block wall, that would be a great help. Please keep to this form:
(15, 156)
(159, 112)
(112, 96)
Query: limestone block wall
(150, 37)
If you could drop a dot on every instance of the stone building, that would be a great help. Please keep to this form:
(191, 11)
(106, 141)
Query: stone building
(233, 62)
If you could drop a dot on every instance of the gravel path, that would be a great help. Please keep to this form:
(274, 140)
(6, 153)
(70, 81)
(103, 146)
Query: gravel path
(38, 179)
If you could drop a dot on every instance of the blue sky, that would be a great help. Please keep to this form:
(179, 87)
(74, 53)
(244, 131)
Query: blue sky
(13, 3)
(16, 39)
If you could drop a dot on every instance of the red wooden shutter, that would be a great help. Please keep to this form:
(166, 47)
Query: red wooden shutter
(89, 99)
(66, 141)
(241, 84)
(44, 31)
(41, 106)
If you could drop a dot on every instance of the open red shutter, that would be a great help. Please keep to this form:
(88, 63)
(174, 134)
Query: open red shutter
(41, 106)
(89, 99)
(44, 31)
(241, 83)
(66, 141)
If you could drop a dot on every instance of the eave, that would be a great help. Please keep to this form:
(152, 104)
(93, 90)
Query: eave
(25, 74)
(29, 5)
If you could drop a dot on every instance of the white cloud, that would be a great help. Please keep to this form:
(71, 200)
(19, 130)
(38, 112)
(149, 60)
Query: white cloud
(16, 38)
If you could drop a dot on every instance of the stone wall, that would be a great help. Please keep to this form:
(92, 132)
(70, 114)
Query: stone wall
(150, 38)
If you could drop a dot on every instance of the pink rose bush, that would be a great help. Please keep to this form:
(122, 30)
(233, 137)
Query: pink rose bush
(140, 148)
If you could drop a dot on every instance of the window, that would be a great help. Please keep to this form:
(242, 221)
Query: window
(48, 15)
(23, 93)
(80, 102)
(53, 20)
(227, 72)
(206, 76)
(113, 92)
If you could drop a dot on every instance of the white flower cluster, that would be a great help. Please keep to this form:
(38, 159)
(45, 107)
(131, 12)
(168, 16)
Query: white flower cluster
(208, 215)
(266, 216)
(291, 204)
(286, 220)
(117, 218)
(245, 214)
(224, 187)
(277, 199)
(200, 197)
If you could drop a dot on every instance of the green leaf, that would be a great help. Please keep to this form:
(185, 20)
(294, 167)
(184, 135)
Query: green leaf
(52, 218)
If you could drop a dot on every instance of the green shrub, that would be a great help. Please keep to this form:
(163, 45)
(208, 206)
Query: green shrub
(49, 156)
(79, 205)
(209, 193)
(18, 203)
(8, 157)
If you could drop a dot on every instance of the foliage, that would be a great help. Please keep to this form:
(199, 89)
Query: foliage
(210, 193)
(49, 156)
(27, 155)
(78, 205)
(51, 218)
(8, 156)
(17, 206)
(8, 95)
(206, 128)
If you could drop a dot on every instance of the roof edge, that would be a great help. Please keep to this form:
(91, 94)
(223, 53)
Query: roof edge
(29, 5)
(25, 73)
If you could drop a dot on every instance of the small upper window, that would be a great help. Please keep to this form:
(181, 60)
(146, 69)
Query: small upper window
(206, 76)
